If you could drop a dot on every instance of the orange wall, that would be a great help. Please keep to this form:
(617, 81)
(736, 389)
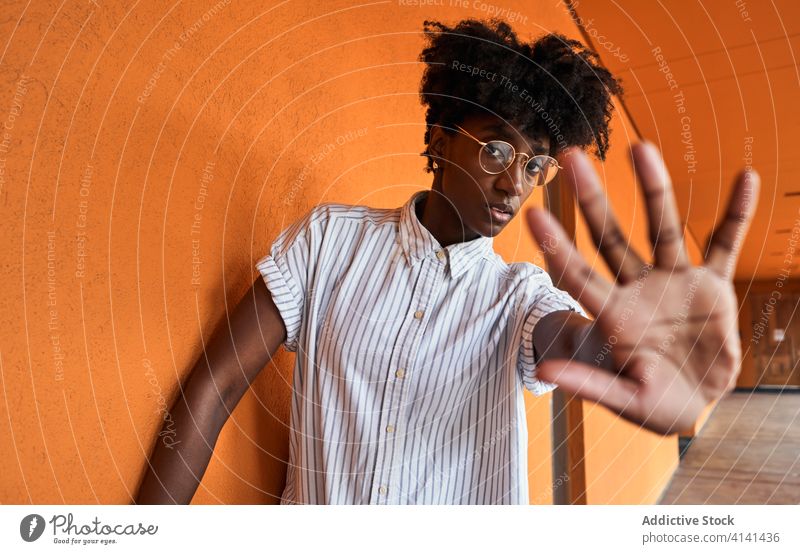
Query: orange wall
(156, 153)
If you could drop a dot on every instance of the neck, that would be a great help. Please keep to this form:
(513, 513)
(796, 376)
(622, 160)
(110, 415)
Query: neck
(441, 220)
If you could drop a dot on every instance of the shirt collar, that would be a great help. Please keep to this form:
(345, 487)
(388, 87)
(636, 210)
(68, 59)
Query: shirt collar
(418, 243)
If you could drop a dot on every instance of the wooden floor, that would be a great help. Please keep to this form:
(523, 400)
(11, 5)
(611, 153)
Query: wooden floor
(748, 452)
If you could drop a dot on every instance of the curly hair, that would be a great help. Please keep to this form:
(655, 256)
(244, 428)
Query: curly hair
(553, 86)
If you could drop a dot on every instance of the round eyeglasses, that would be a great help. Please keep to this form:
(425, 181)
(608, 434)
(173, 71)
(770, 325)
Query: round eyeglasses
(497, 156)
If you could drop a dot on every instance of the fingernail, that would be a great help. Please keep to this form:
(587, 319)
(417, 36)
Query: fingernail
(753, 174)
(569, 152)
(537, 214)
(651, 152)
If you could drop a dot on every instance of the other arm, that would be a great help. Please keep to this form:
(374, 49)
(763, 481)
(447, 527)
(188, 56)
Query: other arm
(238, 350)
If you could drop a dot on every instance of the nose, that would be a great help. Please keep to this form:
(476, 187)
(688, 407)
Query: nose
(512, 179)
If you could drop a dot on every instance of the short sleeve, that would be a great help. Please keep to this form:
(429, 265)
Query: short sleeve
(542, 298)
(289, 267)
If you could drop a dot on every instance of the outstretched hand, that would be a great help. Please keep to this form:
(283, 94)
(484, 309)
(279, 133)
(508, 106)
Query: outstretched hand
(670, 327)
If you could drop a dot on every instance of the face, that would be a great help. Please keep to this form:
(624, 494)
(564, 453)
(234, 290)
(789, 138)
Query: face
(471, 190)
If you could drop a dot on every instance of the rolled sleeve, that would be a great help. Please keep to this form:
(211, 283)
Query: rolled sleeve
(543, 298)
(288, 267)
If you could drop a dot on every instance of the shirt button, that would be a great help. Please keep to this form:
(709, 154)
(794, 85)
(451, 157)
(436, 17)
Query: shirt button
(400, 373)
(418, 314)
(389, 428)
(440, 254)
(382, 489)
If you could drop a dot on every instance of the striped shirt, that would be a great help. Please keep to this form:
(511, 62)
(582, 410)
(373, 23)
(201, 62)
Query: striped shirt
(410, 359)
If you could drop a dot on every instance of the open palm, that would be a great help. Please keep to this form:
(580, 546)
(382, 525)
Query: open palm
(665, 340)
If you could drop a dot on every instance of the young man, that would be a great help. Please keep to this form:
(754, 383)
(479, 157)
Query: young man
(414, 339)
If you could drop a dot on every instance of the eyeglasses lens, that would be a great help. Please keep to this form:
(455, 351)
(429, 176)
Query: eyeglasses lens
(497, 156)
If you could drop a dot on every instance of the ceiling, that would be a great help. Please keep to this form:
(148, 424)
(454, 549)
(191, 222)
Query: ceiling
(733, 99)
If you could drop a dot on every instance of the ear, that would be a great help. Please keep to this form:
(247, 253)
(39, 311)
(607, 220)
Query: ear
(438, 143)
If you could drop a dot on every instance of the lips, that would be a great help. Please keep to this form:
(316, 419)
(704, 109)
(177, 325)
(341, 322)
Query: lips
(500, 212)
(502, 207)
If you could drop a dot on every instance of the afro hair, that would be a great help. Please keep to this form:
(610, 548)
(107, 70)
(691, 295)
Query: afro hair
(553, 86)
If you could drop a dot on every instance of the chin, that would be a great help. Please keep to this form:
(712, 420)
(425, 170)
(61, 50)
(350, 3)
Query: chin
(494, 228)
(490, 230)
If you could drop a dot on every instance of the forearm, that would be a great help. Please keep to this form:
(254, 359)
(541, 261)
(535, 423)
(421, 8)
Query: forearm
(185, 444)
(239, 349)
(565, 334)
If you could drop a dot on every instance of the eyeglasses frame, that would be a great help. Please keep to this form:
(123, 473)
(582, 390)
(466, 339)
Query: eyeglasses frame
(528, 157)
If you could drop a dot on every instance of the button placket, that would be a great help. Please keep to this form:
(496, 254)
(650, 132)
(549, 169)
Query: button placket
(396, 391)
(436, 278)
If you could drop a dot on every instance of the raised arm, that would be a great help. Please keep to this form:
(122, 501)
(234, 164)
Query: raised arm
(238, 350)
(670, 327)
(564, 334)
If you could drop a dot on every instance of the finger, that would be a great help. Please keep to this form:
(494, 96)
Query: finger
(621, 259)
(572, 271)
(724, 244)
(614, 391)
(664, 225)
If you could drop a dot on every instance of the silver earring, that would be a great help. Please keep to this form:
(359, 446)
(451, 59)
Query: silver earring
(435, 165)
